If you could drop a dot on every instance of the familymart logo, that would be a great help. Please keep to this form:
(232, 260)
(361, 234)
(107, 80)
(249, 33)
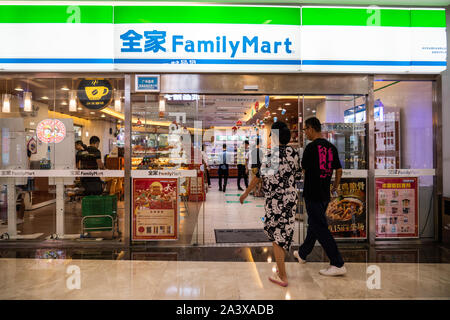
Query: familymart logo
(158, 41)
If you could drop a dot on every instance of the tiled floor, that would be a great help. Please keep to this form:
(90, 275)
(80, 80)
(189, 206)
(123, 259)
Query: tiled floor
(222, 210)
(99, 279)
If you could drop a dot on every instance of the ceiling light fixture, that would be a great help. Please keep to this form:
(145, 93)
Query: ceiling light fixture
(65, 88)
(117, 102)
(44, 98)
(73, 101)
(27, 102)
(6, 106)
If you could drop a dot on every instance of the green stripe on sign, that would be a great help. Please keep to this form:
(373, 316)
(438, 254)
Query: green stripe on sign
(232, 195)
(238, 202)
(207, 14)
(428, 18)
(355, 17)
(55, 14)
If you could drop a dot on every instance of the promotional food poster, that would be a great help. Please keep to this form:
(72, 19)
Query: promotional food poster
(155, 209)
(346, 212)
(397, 208)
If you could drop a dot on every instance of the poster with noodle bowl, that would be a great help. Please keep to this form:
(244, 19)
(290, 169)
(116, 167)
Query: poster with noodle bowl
(346, 212)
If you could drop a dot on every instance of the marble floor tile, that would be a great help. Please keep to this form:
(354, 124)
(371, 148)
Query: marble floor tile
(191, 280)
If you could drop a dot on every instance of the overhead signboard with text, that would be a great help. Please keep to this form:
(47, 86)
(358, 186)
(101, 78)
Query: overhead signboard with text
(146, 37)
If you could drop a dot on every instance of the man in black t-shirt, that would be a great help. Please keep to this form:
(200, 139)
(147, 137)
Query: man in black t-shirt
(319, 160)
(92, 160)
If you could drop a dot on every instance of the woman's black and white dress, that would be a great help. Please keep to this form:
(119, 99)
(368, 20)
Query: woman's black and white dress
(280, 170)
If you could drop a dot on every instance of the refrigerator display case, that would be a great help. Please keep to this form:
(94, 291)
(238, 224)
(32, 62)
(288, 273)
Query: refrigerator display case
(350, 141)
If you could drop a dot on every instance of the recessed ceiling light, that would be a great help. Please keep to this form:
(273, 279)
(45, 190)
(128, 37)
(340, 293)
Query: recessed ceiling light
(274, 113)
(314, 111)
(307, 109)
(103, 116)
(92, 112)
(287, 104)
(79, 108)
(44, 98)
(65, 89)
(64, 103)
(18, 88)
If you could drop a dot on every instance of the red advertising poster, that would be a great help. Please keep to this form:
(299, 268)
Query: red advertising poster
(397, 208)
(155, 209)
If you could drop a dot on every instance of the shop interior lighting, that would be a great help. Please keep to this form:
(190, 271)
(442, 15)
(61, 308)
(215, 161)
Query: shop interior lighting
(87, 134)
(6, 98)
(117, 101)
(6, 105)
(162, 104)
(80, 109)
(73, 101)
(65, 88)
(64, 103)
(314, 111)
(92, 112)
(18, 88)
(103, 115)
(44, 98)
(27, 102)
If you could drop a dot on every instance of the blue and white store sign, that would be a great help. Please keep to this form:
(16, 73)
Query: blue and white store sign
(153, 37)
(147, 83)
(196, 47)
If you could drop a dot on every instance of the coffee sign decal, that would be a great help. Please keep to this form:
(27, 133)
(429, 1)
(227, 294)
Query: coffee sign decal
(94, 94)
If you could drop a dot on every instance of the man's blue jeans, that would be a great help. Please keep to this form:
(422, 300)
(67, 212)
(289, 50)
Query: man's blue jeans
(318, 230)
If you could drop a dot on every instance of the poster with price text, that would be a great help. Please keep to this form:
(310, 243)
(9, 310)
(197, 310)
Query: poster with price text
(346, 213)
(155, 209)
(397, 206)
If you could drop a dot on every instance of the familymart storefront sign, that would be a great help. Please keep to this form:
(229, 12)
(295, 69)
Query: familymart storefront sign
(114, 36)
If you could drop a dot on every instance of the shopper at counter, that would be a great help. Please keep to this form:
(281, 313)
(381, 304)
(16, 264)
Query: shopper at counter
(81, 148)
(243, 167)
(92, 160)
(279, 172)
(205, 165)
(223, 169)
(319, 160)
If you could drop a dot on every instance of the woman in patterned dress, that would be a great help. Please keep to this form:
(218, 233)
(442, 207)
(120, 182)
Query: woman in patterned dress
(279, 173)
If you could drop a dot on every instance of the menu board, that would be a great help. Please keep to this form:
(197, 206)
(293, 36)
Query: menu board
(155, 209)
(346, 213)
(397, 207)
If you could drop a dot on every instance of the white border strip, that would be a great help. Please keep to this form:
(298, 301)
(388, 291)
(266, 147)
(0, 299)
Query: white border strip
(163, 173)
(61, 173)
(404, 172)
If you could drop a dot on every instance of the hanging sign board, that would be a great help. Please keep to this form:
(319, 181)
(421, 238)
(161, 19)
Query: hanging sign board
(147, 83)
(51, 131)
(94, 94)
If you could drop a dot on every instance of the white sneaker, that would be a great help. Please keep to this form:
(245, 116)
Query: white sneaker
(333, 271)
(297, 256)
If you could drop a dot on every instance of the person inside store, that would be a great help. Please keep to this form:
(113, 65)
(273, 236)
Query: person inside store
(279, 172)
(205, 165)
(243, 167)
(319, 160)
(81, 148)
(92, 160)
(223, 169)
(255, 157)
